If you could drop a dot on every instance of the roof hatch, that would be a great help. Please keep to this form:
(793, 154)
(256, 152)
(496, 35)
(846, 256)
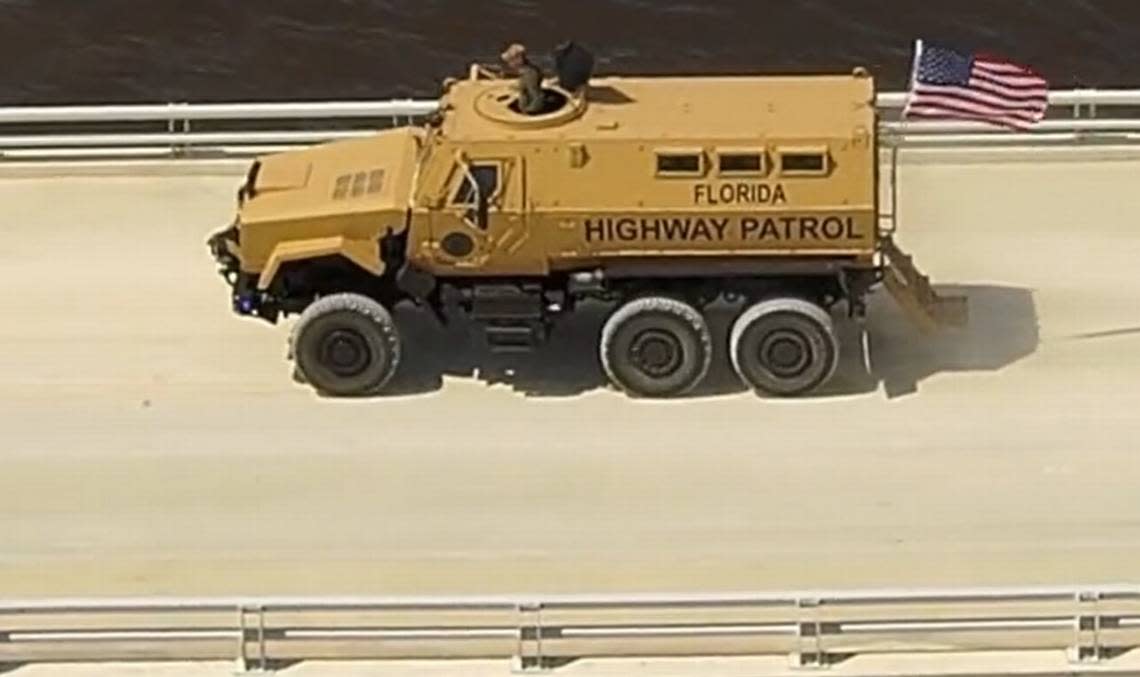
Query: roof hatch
(565, 98)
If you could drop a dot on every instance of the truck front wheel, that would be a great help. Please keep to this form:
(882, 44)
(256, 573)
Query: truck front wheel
(784, 346)
(346, 345)
(656, 347)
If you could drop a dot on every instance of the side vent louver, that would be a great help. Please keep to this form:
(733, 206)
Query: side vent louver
(360, 183)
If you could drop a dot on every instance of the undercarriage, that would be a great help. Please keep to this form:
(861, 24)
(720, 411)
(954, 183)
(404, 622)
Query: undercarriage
(656, 343)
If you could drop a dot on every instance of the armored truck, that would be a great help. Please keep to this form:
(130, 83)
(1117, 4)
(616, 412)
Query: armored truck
(660, 195)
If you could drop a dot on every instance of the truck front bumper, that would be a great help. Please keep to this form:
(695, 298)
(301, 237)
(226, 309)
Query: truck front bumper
(246, 298)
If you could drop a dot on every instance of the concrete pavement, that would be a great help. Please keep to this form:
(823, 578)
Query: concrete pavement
(153, 443)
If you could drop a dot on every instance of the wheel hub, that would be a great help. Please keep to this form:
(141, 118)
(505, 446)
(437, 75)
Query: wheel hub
(345, 352)
(786, 353)
(656, 353)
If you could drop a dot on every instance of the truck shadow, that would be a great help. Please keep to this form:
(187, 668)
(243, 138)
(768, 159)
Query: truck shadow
(1002, 330)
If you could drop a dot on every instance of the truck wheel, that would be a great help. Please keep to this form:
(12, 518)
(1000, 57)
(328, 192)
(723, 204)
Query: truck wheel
(784, 346)
(656, 347)
(346, 344)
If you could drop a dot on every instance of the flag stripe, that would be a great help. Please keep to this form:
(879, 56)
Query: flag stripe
(960, 105)
(1035, 105)
(1004, 124)
(1001, 68)
(939, 114)
(1013, 86)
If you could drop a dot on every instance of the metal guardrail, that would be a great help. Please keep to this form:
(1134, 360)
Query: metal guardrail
(815, 629)
(246, 129)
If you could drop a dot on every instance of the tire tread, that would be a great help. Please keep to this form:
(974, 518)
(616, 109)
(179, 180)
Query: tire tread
(788, 304)
(361, 305)
(655, 304)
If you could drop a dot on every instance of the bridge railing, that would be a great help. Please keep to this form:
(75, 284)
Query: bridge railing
(1093, 624)
(185, 130)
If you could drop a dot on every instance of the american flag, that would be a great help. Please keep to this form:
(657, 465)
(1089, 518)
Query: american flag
(946, 84)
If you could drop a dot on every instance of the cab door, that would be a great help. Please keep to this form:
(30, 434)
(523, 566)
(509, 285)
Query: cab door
(482, 223)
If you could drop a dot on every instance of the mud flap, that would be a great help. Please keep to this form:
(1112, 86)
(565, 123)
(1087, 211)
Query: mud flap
(914, 294)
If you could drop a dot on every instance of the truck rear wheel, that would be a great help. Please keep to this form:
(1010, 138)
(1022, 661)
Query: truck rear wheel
(345, 345)
(784, 346)
(656, 347)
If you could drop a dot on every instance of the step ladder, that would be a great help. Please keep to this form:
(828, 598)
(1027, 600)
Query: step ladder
(505, 338)
(915, 295)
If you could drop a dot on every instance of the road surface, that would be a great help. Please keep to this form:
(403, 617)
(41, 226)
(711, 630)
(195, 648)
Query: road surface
(153, 443)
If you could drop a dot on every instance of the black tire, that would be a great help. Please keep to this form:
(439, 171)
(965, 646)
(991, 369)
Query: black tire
(784, 346)
(346, 345)
(656, 347)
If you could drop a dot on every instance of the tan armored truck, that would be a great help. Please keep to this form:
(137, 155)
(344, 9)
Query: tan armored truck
(660, 194)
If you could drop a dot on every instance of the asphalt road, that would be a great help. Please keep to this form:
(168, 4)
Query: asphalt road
(152, 442)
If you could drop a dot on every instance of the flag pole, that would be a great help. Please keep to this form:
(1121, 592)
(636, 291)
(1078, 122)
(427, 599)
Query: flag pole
(913, 76)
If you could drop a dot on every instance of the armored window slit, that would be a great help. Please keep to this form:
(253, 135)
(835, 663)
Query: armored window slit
(680, 163)
(740, 163)
(805, 163)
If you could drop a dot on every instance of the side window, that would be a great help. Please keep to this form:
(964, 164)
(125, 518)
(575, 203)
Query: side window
(475, 191)
(486, 182)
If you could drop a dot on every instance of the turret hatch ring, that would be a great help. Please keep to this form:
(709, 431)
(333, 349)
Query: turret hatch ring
(500, 104)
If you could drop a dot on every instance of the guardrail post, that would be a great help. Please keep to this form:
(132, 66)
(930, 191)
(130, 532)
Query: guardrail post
(177, 124)
(528, 656)
(810, 652)
(259, 662)
(1087, 647)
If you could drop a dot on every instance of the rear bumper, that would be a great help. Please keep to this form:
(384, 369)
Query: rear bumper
(914, 293)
